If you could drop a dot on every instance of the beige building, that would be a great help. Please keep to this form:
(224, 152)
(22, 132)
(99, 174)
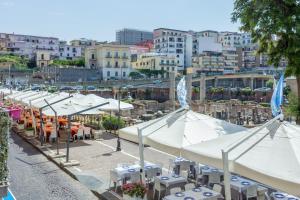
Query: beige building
(208, 61)
(112, 60)
(43, 58)
(156, 61)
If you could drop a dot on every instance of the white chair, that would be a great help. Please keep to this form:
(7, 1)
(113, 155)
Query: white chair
(158, 187)
(135, 177)
(184, 174)
(175, 190)
(171, 166)
(189, 186)
(79, 134)
(214, 178)
(87, 132)
(261, 192)
(53, 136)
(115, 179)
(217, 188)
(267, 197)
(251, 191)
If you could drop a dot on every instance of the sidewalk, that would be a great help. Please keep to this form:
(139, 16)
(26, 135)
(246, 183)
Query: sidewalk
(96, 158)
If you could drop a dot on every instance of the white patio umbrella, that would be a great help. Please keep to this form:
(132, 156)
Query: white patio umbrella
(17, 94)
(39, 96)
(52, 98)
(180, 129)
(274, 161)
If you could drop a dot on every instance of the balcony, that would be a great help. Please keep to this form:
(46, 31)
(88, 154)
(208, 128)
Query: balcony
(124, 57)
(116, 56)
(108, 66)
(108, 56)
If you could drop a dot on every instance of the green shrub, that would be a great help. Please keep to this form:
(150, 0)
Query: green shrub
(4, 127)
(112, 123)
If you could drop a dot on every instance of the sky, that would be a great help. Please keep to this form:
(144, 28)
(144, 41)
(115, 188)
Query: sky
(99, 19)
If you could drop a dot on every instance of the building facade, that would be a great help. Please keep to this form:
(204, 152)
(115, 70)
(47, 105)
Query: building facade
(174, 43)
(112, 60)
(83, 43)
(208, 61)
(69, 52)
(28, 45)
(156, 61)
(132, 36)
(43, 58)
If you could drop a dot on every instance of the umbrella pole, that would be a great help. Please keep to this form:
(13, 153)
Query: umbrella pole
(68, 138)
(56, 131)
(141, 152)
(41, 128)
(226, 175)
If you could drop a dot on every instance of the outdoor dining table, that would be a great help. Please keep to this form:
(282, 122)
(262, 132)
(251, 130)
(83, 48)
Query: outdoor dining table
(239, 185)
(213, 174)
(283, 196)
(180, 161)
(195, 194)
(125, 171)
(74, 130)
(172, 180)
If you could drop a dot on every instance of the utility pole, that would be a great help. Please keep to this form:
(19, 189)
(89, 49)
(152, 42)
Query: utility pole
(119, 112)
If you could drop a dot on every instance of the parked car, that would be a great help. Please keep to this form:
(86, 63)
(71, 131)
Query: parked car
(62, 88)
(157, 81)
(78, 87)
(91, 87)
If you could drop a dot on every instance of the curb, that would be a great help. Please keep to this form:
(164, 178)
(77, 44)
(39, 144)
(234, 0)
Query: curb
(103, 196)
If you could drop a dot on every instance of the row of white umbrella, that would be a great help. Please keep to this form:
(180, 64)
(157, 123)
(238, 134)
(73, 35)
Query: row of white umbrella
(270, 155)
(68, 105)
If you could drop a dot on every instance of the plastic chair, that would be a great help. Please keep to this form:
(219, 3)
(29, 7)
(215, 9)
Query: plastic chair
(189, 186)
(53, 136)
(251, 191)
(175, 190)
(217, 188)
(184, 174)
(158, 187)
(135, 177)
(171, 166)
(267, 197)
(214, 178)
(115, 179)
(79, 134)
(87, 131)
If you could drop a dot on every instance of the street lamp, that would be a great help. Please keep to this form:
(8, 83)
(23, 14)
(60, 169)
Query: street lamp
(119, 111)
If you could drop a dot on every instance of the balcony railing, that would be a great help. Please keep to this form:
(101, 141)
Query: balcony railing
(116, 56)
(124, 57)
(108, 66)
(108, 56)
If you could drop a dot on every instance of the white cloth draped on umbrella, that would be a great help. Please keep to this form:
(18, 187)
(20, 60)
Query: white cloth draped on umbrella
(180, 129)
(274, 161)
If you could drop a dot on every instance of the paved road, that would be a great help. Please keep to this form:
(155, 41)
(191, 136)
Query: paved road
(33, 177)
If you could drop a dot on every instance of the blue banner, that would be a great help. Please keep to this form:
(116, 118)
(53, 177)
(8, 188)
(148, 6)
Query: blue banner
(181, 93)
(277, 97)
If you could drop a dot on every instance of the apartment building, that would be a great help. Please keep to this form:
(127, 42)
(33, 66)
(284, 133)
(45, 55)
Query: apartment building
(43, 58)
(230, 59)
(112, 60)
(208, 61)
(69, 52)
(128, 36)
(156, 61)
(28, 45)
(83, 43)
(174, 43)
(230, 39)
(203, 34)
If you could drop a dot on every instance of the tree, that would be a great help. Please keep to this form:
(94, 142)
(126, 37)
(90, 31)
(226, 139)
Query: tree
(270, 83)
(275, 26)
(293, 107)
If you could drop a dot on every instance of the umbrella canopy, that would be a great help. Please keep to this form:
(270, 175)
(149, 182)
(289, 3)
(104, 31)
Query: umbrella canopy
(68, 107)
(17, 94)
(274, 161)
(39, 96)
(52, 98)
(180, 129)
(114, 105)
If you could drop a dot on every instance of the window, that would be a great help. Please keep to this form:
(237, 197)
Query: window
(116, 64)
(108, 73)
(124, 64)
(108, 55)
(173, 68)
(93, 56)
(42, 56)
(116, 74)
(108, 64)
(68, 55)
(74, 54)
(124, 74)
(124, 55)
(116, 54)
(60, 54)
(68, 48)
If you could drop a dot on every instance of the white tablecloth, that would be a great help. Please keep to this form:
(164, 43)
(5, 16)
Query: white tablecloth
(240, 184)
(207, 170)
(283, 196)
(171, 180)
(125, 171)
(199, 193)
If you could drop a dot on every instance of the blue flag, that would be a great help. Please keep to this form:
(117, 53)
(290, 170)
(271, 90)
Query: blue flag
(181, 92)
(277, 97)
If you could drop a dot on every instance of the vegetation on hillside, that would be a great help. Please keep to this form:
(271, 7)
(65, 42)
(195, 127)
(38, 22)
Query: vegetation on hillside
(19, 62)
(78, 62)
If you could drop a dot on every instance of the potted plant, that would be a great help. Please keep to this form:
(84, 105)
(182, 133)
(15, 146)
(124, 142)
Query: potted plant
(134, 191)
(4, 128)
